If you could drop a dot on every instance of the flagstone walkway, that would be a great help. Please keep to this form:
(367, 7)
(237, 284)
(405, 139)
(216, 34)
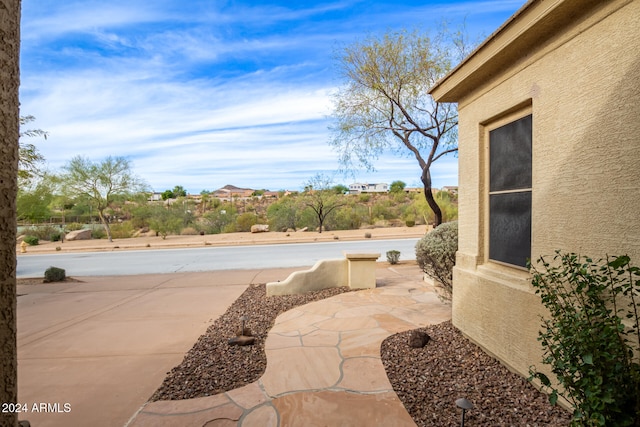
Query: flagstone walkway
(323, 364)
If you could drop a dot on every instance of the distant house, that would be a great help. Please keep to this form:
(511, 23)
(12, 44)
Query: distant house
(357, 188)
(230, 192)
(414, 190)
(154, 197)
(549, 109)
(450, 189)
(270, 195)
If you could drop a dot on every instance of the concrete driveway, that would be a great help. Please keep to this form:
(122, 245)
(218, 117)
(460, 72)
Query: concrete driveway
(91, 353)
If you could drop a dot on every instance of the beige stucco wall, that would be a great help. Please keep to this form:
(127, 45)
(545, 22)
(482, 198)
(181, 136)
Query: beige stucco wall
(582, 86)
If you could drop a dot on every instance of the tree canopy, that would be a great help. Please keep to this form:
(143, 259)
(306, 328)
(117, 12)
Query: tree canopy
(384, 105)
(397, 187)
(30, 158)
(322, 198)
(100, 182)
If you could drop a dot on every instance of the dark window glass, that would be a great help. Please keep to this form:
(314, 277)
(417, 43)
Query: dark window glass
(510, 192)
(510, 225)
(510, 147)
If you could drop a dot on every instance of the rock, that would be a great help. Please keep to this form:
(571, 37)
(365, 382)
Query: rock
(259, 228)
(418, 339)
(242, 340)
(78, 235)
(303, 229)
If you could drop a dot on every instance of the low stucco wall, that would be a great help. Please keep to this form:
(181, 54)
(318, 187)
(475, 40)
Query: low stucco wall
(356, 270)
(328, 273)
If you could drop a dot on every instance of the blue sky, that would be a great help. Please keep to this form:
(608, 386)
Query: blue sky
(207, 93)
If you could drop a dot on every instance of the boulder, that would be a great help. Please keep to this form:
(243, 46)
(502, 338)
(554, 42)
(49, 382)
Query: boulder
(259, 228)
(418, 339)
(78, 235)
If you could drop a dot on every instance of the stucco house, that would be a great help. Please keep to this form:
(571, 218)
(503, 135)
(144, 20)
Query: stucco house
(549, 152)
(230, 192)
(358, 188)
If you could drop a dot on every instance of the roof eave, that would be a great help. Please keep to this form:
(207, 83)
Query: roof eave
(535, 22)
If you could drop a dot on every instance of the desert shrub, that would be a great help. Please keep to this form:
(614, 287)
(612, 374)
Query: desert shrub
(393, 256)
(166, 221)
(591, 337)
(383, 209)
(42, 232)
(436, 254)
(54, 274)
(348, 217)
(283, 214)
(73, 226)
(56, 236)
(447, 206)
(410, 222)
(122, 230)
(98, 232)
(230, 228)
(31, 240)
(215, 222)
(245, 221)
(189, 231)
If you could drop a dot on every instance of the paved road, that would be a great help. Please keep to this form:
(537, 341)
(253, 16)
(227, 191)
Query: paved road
(205, 259)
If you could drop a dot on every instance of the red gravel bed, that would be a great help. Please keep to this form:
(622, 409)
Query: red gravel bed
(429, 380)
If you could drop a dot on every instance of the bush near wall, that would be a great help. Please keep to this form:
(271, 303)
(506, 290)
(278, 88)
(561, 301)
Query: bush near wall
(436, 254)
(591, 336)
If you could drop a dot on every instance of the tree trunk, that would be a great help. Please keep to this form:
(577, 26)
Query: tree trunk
(104, 222)
(428, 194)
(9, 134)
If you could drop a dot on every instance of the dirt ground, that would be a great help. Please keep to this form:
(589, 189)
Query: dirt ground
(226, 239)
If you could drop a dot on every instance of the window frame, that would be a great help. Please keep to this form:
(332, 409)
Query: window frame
(499, 121)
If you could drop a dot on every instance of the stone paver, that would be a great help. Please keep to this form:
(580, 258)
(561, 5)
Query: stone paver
(323, 363)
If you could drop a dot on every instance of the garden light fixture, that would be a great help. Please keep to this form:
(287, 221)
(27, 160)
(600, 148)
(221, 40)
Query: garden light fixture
(464, 404)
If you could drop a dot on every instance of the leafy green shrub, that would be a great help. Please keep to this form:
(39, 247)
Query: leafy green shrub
(436, 254)
(592, 337)
(56, 236)
(31, 240)
(393, 256)
(410, 222)
(54, 274)
(73, 226)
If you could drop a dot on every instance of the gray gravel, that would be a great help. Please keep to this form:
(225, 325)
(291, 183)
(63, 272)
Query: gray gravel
(427, 380)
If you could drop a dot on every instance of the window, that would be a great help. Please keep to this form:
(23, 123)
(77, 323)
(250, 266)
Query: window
(510, 192)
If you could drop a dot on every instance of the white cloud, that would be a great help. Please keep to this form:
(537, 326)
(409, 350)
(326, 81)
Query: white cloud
(203, 94)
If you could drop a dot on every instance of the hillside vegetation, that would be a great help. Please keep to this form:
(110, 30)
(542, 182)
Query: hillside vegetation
(210, 215)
